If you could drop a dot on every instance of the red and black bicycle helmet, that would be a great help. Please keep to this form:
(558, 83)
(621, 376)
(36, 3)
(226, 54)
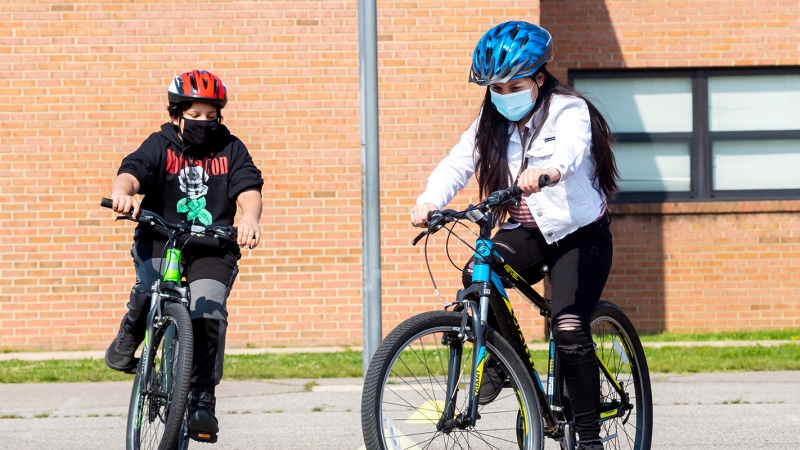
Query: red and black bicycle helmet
(198, 86)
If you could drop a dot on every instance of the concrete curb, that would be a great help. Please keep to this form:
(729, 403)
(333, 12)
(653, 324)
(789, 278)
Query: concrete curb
(100, 354)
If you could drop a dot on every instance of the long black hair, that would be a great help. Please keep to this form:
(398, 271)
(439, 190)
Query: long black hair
(491, 142)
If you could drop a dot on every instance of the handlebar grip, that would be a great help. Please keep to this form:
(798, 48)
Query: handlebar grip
(431, 214)
(108, 203)
(544, 180)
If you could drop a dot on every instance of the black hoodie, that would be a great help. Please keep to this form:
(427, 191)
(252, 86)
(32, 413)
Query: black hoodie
(191, 185)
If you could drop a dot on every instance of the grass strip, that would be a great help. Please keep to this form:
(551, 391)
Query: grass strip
(58, 370)
(766, 335)
(348, 364)
(345, 364)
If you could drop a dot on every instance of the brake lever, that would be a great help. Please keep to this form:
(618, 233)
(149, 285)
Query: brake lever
(419, 236)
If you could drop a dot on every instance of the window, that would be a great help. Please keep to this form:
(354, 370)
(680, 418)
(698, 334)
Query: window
(704, 134)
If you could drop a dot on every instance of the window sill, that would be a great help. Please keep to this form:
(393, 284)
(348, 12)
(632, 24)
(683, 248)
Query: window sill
(728, 207)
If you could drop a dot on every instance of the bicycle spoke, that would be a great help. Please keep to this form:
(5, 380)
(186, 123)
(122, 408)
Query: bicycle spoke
(493, 437)
(415, 377)
(429, 370)
(456, 440)
(427, 445)
(425, 356)
(409, 385)
(479, 436)
(498, 399)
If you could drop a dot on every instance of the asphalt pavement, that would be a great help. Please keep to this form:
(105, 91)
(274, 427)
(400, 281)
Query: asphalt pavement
(733, 411)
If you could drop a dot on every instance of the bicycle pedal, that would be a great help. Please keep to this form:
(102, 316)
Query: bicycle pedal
(133, 368)
(203, 436)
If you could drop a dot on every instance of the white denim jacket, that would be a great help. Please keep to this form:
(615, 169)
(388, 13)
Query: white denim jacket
(564, 144)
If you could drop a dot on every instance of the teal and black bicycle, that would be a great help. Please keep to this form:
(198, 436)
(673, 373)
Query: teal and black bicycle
(422, 387)
(158, 412)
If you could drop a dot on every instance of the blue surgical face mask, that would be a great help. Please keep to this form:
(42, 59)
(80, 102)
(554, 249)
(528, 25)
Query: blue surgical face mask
(513, 106)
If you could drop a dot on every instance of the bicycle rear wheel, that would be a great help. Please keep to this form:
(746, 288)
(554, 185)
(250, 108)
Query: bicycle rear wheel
(406, 386)
(620, 352)
(158, 403)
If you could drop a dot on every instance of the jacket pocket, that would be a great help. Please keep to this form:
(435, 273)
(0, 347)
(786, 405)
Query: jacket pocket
(544, 146)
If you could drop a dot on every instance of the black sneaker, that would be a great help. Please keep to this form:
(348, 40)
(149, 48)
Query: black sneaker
(119, 355)
(492, 382)
(203, 424)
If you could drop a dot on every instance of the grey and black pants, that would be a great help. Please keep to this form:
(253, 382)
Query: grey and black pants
(210, 273)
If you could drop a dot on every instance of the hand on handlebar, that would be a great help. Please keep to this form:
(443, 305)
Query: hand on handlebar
(248, 233)
(529, 179)
(419, 214)
(125, 205)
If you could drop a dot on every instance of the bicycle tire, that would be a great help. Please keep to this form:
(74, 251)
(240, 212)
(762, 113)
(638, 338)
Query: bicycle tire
(412, 344)
(620, 349)
(151, 422)
(183, 432)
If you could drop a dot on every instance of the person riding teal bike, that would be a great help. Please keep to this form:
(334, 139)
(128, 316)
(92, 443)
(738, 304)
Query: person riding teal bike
(532, 125)
(193, 170)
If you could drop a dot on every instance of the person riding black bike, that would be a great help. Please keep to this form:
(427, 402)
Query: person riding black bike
(532, 125)
(192, 170)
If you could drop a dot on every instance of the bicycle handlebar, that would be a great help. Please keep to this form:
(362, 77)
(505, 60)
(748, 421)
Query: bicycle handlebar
(437, 219)
(217, 231)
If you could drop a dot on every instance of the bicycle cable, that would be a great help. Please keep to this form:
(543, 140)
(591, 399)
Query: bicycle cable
(447, 243)
(449, 233)
(430, 272)
(453, 233)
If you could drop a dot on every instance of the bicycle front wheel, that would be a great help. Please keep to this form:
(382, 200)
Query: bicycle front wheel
(626, 420)
(406, 386)
(158, 403)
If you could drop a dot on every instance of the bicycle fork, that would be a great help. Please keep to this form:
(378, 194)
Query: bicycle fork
(467, 419)
(154, 322)
(480, 311)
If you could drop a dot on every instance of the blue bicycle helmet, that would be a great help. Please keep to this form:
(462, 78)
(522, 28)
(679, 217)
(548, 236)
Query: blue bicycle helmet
(509, 51)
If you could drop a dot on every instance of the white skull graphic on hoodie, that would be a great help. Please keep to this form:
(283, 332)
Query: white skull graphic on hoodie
(193, 181)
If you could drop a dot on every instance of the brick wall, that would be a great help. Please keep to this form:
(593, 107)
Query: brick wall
(712, 266)
(84, 83)
(692, 266)
(591, 34)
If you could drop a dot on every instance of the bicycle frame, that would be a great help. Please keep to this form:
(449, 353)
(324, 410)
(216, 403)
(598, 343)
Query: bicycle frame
(489, 274)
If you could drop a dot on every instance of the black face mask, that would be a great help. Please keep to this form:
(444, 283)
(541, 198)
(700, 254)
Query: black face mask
(198, 133)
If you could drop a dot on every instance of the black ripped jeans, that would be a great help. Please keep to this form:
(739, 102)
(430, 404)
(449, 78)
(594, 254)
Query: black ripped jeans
(579, 266)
